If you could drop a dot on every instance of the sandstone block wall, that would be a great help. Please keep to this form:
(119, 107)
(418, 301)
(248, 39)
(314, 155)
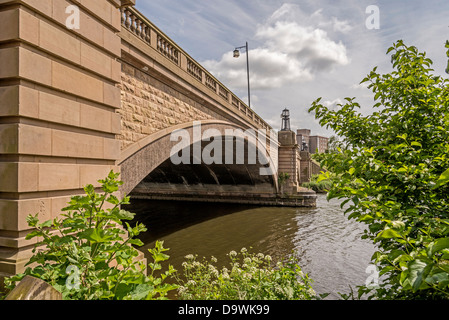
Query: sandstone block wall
(58, 99)
(306, 163)
(289, 160)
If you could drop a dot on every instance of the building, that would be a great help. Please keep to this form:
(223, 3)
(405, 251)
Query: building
(318, 144)
(312, 144)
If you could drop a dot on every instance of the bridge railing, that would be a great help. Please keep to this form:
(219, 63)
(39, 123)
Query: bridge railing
(140, 26)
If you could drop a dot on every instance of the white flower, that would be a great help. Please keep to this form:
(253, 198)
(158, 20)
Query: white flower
(191, 283)
(232, 253)
(248, 276)
(213, 270)
(190, 256)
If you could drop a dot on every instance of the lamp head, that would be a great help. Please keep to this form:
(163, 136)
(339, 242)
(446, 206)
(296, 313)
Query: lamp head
(236, 53)
(285, 113)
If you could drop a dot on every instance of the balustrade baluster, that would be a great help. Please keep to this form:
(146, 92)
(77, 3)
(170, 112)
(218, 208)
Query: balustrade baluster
(147, 37)
(133, 23)
(138, 27)
(127, 19)
(122, 15)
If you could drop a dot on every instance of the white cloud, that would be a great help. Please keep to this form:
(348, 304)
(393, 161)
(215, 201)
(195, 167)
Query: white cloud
(294, 48)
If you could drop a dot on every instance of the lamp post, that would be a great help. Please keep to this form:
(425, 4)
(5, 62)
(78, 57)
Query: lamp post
(236, 55)
(285, 120)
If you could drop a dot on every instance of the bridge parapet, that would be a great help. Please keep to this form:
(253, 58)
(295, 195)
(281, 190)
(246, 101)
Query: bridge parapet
(136, 23)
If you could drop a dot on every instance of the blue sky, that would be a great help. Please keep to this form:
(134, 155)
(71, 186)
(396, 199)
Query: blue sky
(300, 50)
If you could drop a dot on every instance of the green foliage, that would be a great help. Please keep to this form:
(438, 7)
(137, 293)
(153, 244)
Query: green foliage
(320, 186)
(250, 277)
(87, 254)
(394, 174)
(283, 177)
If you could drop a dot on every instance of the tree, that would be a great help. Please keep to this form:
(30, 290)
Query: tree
(393, 173)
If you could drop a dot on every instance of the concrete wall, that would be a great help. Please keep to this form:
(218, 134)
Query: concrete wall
(58, 102)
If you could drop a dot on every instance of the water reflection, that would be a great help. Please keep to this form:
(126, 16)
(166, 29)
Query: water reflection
(329, 246)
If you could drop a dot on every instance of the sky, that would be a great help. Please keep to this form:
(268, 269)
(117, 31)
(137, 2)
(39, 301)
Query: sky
(301, 50)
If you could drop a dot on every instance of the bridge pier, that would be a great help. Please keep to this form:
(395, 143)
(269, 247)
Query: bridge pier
(289, 161)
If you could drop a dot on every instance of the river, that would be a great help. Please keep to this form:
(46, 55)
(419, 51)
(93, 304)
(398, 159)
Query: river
(328, 245)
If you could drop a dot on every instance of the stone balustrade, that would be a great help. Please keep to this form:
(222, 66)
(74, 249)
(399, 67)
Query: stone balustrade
(142, 28)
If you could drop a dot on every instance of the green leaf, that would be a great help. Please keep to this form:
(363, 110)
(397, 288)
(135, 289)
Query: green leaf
(438, 245)
(140, 292)
(33, 234)
(46, 224)
(113, 199)
(124, 215)
(323, 176)
(388, 234)
(95, 235)
(438, 278)
(136, 242)
(32, 220)
(443, 179)
(418, 270)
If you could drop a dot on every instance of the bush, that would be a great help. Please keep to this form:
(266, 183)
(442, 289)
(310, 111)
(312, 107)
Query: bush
(249, 277)
(319, 186)
(87, 255)
(393, 174)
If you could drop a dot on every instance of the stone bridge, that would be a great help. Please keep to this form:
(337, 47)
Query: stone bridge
(92, 86)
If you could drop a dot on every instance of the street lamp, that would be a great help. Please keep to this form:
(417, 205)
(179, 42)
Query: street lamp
(285, 120)
(236, 55)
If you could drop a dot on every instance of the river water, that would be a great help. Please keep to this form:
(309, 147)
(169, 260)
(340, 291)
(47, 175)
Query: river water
(327, 243)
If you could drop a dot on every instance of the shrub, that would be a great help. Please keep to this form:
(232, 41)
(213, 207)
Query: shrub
(249, 277)
(318, 186)
(87, 254)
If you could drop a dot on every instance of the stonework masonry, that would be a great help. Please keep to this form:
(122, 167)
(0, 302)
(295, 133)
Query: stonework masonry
(149, 105)
(289, 160)
(58, 99)
(77, 103)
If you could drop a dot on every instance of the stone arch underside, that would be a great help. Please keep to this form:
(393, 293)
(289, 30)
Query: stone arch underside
(147, 169)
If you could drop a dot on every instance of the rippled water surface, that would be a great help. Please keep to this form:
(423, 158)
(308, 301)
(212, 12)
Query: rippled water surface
(327, 243)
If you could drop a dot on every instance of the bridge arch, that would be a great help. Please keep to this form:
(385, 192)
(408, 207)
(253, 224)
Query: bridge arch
(147, 163)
